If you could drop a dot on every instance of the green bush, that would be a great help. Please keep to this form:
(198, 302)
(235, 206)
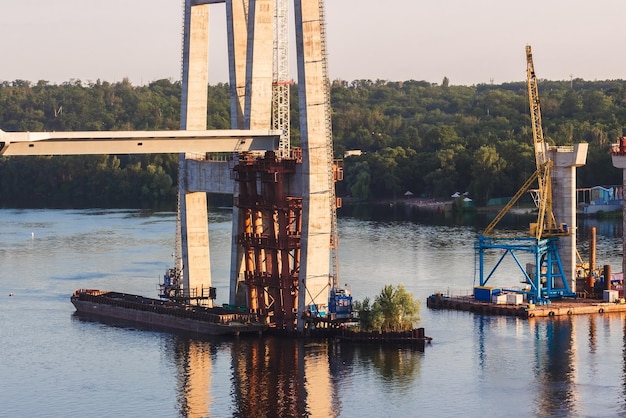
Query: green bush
(394, 310)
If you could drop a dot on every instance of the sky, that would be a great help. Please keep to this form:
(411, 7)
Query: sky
(468, 41)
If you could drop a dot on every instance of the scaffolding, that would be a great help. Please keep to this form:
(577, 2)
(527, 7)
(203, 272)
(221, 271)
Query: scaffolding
(281, 83)
(270, 238)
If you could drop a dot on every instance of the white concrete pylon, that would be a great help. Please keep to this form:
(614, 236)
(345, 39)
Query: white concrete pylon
(566, 159)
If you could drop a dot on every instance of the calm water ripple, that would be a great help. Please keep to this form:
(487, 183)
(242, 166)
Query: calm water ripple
(56, 363)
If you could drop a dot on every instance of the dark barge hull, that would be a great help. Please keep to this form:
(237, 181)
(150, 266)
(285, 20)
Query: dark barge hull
(165, 314)
(414, 336)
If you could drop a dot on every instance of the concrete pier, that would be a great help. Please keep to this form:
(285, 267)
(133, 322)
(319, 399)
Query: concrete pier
(565, 160)
(316, 159)
(194, 228)
(618, 155)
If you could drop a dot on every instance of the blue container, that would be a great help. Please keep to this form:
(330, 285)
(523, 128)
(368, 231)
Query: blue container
(483, 293)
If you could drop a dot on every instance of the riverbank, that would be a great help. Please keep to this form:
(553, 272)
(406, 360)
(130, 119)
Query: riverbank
(447, 205)
(437, 204)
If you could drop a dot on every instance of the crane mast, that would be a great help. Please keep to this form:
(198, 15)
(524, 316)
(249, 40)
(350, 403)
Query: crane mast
(546, 225)
(535, 110)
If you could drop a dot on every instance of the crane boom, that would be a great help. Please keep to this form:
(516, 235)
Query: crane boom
(535, 110)
(546, 225)
(488, 231)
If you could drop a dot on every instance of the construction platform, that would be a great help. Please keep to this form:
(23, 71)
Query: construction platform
(557, 307)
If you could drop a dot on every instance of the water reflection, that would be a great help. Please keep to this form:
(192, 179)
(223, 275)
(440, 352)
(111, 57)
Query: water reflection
(554, 367)
(549, 349)
(485, 366)
(622, 405)
(605, 227)
(283, 377)
(397, 366)
(193, 362)
(592, 335)
(404, 211)
(269, 377)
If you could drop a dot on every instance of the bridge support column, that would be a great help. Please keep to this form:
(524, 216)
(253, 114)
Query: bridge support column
(564, 202)
(618, 154)
(316, 193)
(194, 227)
(237, 34)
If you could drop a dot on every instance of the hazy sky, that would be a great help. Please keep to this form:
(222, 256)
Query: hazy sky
(468, 41)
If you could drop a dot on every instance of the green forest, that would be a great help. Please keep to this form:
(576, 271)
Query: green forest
(430, 139)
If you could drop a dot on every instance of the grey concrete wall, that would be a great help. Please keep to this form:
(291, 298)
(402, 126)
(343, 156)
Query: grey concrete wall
(259, 65)
(209, 176)
(193, 205)
(215, 177)
(237, 34)
(619, 161)
(564, 202)
(316, 219)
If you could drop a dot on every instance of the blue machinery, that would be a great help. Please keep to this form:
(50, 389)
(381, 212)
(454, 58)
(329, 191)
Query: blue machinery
(339, 306)
(546, 280)
(340, 303)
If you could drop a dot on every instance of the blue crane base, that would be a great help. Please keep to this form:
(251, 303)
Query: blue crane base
(546, 282)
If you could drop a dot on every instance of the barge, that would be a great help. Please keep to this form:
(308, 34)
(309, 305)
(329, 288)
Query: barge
(558, 307)
(166, 314)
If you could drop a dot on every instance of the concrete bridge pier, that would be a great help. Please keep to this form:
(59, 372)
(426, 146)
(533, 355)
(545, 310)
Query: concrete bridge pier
(618, 155)
(194, 228)
(565, 160)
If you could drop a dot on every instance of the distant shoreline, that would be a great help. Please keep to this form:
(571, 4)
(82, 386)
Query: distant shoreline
(437, 204)
(430, 203)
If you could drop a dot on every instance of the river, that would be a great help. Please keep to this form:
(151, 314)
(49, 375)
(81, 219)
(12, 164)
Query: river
(55, 363)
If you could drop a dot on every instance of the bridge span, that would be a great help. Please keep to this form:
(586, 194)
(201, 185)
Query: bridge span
(136, 142)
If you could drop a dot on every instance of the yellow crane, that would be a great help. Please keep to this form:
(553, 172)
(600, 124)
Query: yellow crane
(547, 279)
(546, 225)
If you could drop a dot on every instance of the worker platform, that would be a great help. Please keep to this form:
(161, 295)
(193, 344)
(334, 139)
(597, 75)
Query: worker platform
(557, 307)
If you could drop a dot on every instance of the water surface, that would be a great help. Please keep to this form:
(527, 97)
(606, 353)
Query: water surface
(55, 363)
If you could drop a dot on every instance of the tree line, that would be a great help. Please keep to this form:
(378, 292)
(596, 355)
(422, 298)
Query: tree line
(430, 139)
